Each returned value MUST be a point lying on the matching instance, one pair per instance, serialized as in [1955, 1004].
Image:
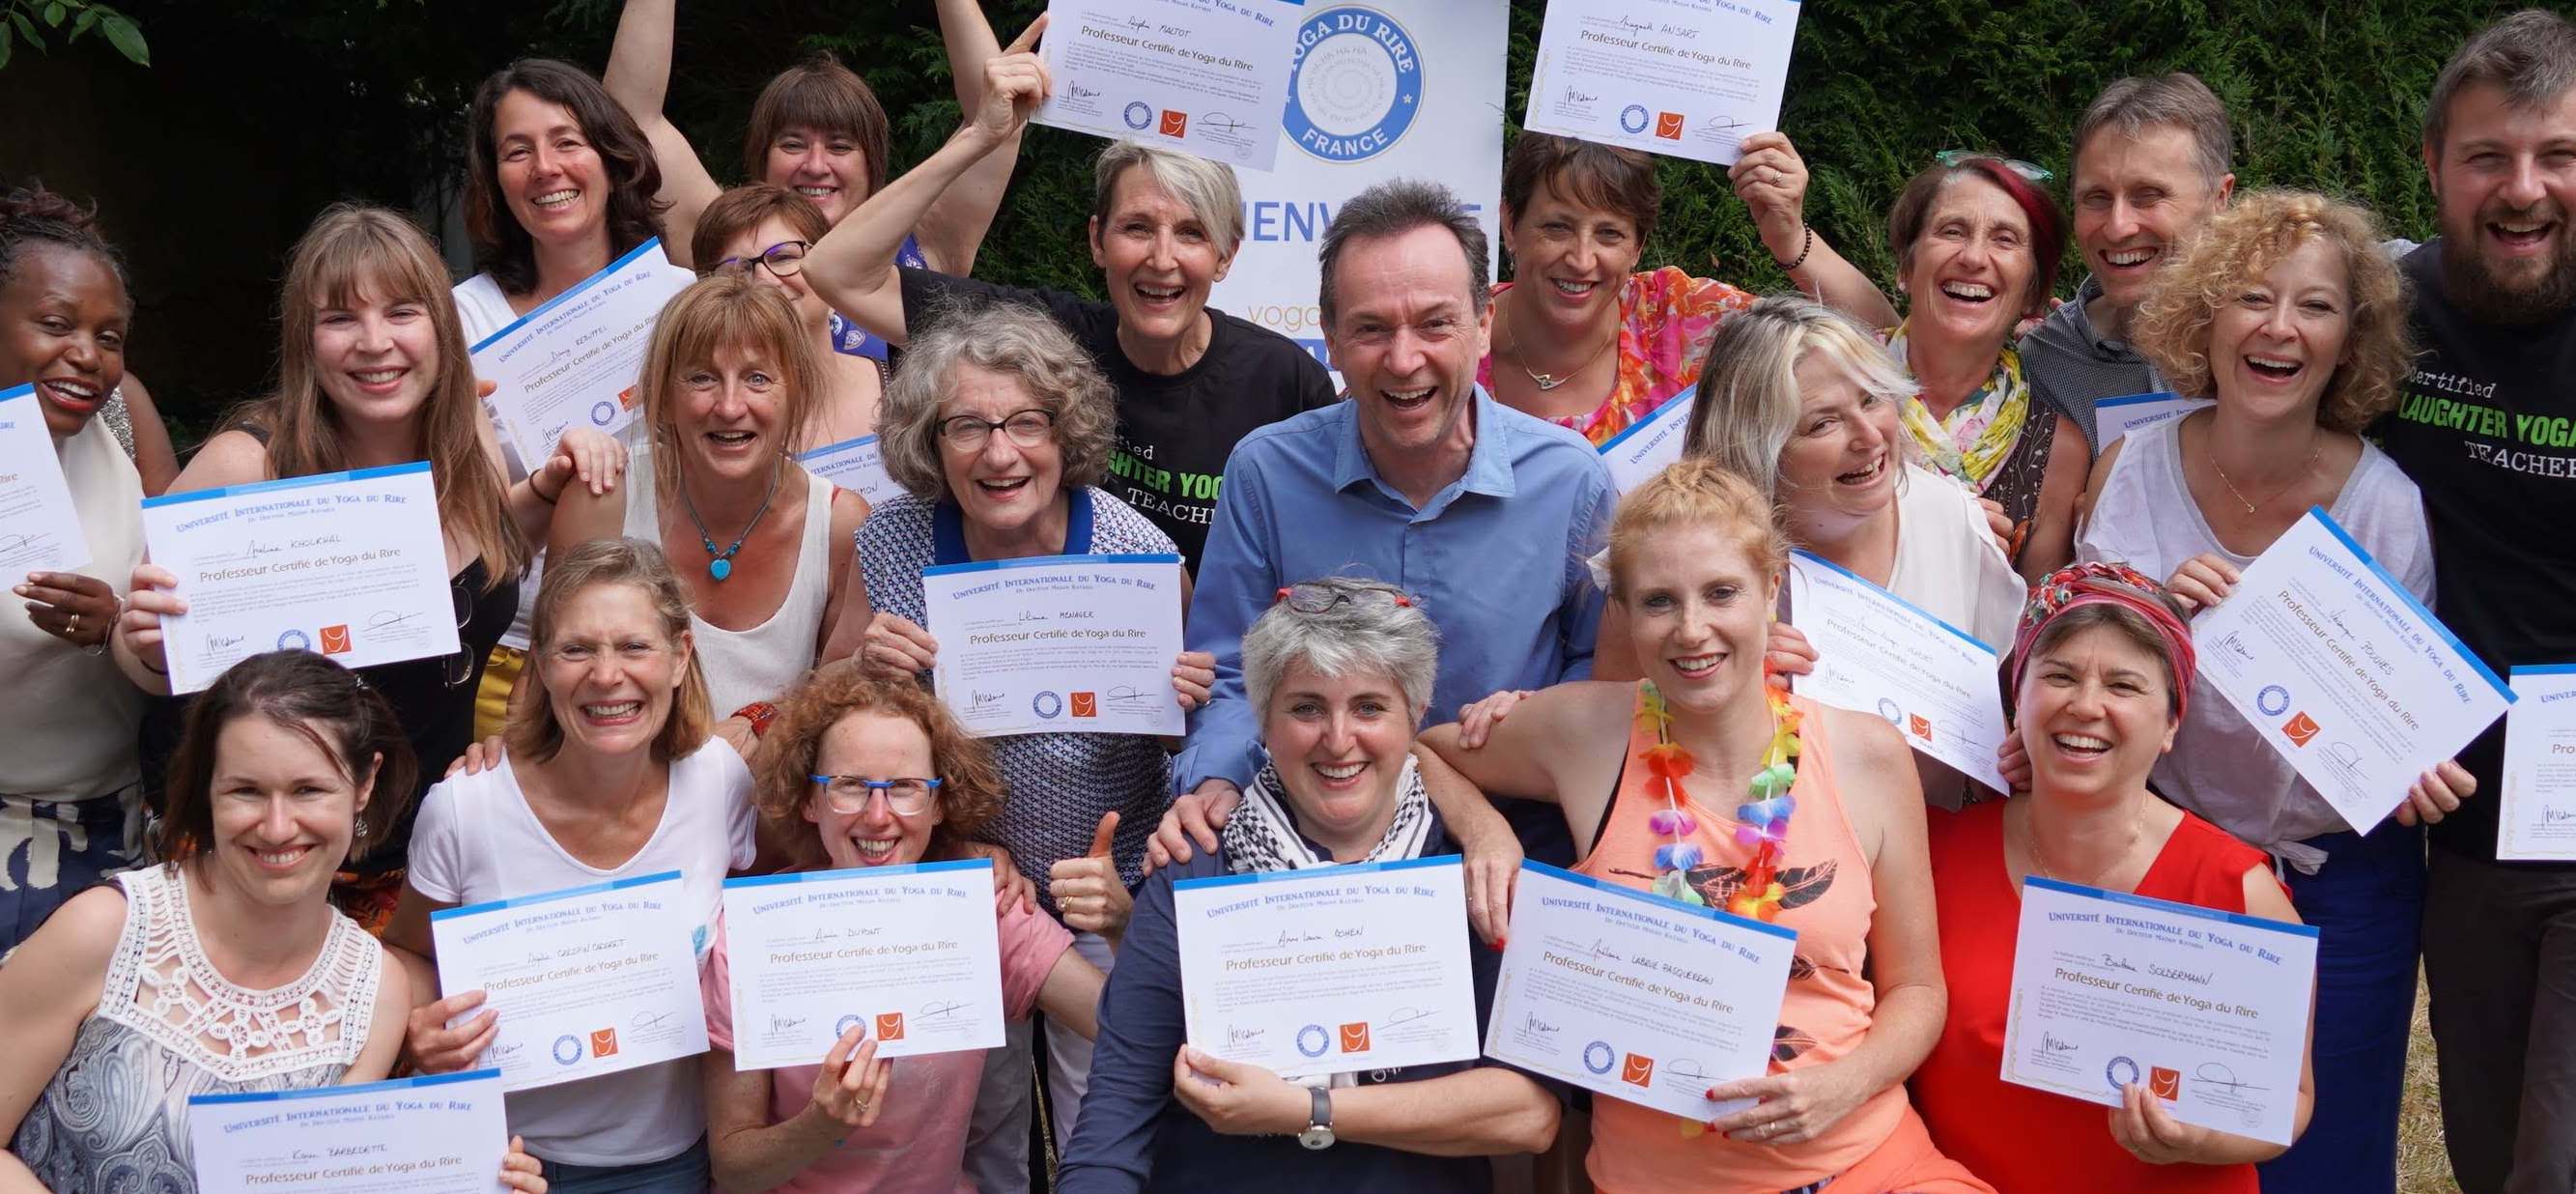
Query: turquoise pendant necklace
[720, 563]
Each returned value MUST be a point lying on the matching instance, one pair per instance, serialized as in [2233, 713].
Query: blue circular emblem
[1355, 86]
[1598, 1057]
[843, 1025]
[2274, 700]
[1046, 705]
[294, 640]
[1893, 712]
[1312, 1040]
[601, 412]
[1633, 118]
[567, 1050]
[1138, 115]
[2120, 1072]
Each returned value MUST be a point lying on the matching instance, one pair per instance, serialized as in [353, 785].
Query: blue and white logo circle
[567, 1050]
[2121, 1072]
[842, 1026]
[1047, 705]
[1312, 1040]
[294, 640]
[1139, 114]
[1355, 87]
[1633, 118]
[1598, 1057]
[2274, 700]
[1893, 712]
[601, 412]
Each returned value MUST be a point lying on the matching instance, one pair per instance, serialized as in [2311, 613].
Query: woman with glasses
[998, 428]
[861, 770]
[763, 232]
[609, 773]
[372, 371]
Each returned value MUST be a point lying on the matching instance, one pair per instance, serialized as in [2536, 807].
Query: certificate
[587, 981]
[1329, 970]
[1878, 653]
[1649, 444]
[437, 1134]
[907, 952]
[1058, 644]
[1689, 78]
[39, 529]
[2537, 810]
[2207, 1010]
[2114, 418]
[856, 465]
[352, 565]
[573, 361]
[1634, 996]
[2343, 671]
[1206, 76]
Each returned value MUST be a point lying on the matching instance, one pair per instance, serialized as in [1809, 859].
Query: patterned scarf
[2080, 585]
[1261, 836]
[1977, 436]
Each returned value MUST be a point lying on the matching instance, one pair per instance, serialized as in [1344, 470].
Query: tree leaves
[83, 17]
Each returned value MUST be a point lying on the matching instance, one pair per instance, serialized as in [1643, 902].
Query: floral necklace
[1761, 823]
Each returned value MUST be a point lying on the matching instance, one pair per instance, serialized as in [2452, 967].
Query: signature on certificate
[1297, 937]
[939, 1009]
[651, 1019]
[1405, 1015]
[2048, 1043]
[2217, 1074]
[1578, 96]
[979, 700]
[1236, 1034]
[1531, 1023]
[385, 617]
[2117, 963]
[784, 1023]
[1125, 696]
[1221, 122]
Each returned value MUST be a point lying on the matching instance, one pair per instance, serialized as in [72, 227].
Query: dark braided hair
[32, 215]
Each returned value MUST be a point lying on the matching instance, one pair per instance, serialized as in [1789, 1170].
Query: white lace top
[168, 1025]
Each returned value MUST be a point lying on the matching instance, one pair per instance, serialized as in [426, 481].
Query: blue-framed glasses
[908, 796]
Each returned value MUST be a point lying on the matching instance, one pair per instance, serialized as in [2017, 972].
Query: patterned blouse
[1666, 319]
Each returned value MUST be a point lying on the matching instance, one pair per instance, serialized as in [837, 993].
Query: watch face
[1316, 1137]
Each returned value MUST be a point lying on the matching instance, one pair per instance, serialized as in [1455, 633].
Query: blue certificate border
[2135, 399]
[859, 872]
[2543, 669]
[284, 483]
[654, 245]
[2133, 900]
[1657, 415]
[2422, 614]
[13, 394]
[1918, 611]
[544, 897]
[1701, 911]
[828, 449]
[1051, 562]
[326, 1092]
[1322, 873]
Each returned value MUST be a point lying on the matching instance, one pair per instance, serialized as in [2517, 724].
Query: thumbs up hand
[1087, 891]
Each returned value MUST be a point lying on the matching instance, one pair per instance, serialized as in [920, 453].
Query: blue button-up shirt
[1496, 560]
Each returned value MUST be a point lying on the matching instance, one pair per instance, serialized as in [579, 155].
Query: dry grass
[2421, 1166]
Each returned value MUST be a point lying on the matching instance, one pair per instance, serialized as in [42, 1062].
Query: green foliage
[71, 20]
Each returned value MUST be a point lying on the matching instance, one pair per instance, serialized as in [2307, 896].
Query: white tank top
[761, 663]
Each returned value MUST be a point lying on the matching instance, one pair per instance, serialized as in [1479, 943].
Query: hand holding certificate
[1208, 78]
[1058, 644]
[573, 361]
[907, 953]
[1689, 78]
[1877, 654]
[432, 1135]
[39, 530]
[2538, 804]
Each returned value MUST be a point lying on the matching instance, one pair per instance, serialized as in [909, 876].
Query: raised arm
[953, 229]
[639, 75]
[1772, 180]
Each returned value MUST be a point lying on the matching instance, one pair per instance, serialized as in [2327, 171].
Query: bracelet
[541, 494]
[147, 666]
[1808, 247]
[759, 714]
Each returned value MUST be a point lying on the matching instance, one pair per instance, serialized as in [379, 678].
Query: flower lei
[1761, 823]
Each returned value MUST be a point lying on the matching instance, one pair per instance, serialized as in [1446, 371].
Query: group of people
[1421, 620]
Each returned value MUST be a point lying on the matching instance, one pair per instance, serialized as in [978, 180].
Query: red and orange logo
[603, 1042]
[1668, 125]
[335, 640]
[1355, 1037]
[2164, 1083]
[890, 1026]
[1086, 704]
[1639, 1070]
[1175, 124]
[1919, 726]
[2299, 729]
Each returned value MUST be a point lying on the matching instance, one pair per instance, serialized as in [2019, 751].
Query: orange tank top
[1826, 897]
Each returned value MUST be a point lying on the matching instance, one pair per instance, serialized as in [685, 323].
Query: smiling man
[2480, 429]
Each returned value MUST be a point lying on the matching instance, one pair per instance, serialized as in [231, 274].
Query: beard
[2513, 294]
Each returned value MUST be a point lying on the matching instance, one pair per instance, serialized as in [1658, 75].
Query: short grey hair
[1398, 206]
[2178, 100]
[2530, 56]
[1349, 638]
[1207, 188]
[1008, 338]
[1746, 406]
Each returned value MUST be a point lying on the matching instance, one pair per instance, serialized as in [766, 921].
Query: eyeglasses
[907, 796]
[783, 260]
[2031, 170]
[458, 668]
[1310, 597]
[1027, 428]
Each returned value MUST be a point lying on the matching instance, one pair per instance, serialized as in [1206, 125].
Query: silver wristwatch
[1319, 1126]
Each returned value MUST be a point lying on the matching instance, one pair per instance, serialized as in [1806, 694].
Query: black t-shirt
[1174, 432]
[2487, 429]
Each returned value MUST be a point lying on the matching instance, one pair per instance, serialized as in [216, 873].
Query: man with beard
[2482, 428]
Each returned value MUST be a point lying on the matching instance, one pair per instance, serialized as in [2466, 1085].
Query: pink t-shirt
[918, 1145]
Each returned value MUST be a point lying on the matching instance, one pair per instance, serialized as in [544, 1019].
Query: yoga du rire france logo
[1356, 85]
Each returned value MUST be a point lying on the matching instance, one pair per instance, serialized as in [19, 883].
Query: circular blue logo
[2274, 700]
[294, 640]
[1139, 114]
[1598, 1057]
[2121, 1072]
[1355, 86]
[1046, 705]
[842, 1026]
[1312, 1040]
[567, 1050]
[1893, 712]
[601, 412]
[1633, 118]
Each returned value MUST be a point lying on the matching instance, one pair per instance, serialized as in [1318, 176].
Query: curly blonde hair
[2244, 242]
[970, 784]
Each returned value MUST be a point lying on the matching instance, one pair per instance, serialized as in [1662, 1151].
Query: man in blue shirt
[1420, 479]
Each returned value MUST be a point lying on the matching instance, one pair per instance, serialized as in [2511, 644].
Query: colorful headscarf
[2078, 585]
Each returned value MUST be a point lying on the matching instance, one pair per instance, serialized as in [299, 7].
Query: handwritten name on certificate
[39, 529]
[856, 465]
[907, 952]
[1206, 76]
[588, 981]
[1649, 445]
[2115, 418]
[1323, 971]
[1058, 644]
[1629, 995]
[2538, 805]
[2207, 1010]
[352, 565]
[2343, 671]
[573, 361]
[1878, 653]
[1688, 78]
[437, 1134]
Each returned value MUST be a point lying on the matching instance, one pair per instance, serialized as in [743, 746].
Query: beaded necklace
[1761, 823]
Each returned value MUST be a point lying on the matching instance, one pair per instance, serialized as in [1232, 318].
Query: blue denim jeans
[682, 1174]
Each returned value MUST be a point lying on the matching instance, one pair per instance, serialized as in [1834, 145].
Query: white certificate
[1878, 653]
[1648, 445]
[352, 565]
[908, 952]
[2343, 671]
[2537, 809]
[587, 981]
[39, 530]
[1058, 644]
[2114, 418]
[573, 362]
[1330, 970]
[1206, 76]
[436, 1134]
[2208, 1010]
[857, 465]
[1634, 996]
[1689, 78]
